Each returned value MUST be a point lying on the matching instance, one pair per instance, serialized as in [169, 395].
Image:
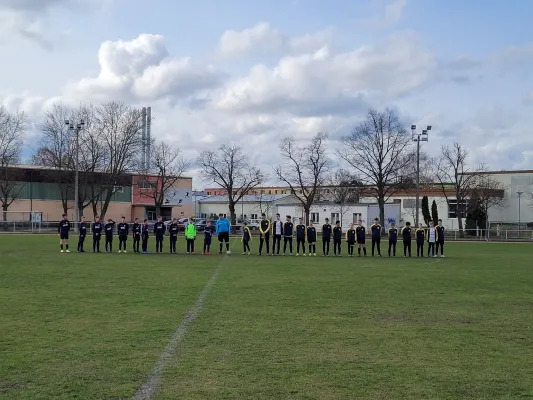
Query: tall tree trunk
[158, 208]
[95, 208]
[381, 204]
[233, 216]
[307, 210]
[4, 209]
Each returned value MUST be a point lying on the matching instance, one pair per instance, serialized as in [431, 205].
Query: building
[40, 197]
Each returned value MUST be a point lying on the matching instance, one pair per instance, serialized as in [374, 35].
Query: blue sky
[256, 71]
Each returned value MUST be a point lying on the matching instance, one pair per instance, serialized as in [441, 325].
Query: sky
[253, 72]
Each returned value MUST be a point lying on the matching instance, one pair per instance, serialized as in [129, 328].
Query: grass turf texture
[91, 326]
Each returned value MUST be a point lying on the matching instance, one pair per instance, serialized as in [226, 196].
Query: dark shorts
[63, 235]
[361, 240]
[207, 241]
[123, 238]
[223, 237]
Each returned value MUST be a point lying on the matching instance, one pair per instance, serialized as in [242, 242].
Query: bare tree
[229, 168]
[56, 150]
[380, 150]
[167, 167]
[120, 127]
[12, 128]
[304, 169]
[345, 190]
[490, 193]
[453, 171]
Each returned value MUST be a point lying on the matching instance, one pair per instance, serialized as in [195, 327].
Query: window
[356, 217]
[208, 193]
[283, 191]
[270, 192]
[409, 203]
[452, 208]
[253, 216]
[144, 184]
[334, 217]
[118, 189]
[151, 216]
[203, 216]
[315, 218]
[276, 192]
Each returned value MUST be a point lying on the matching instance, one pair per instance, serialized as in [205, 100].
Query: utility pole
[418, 137]
[519, 207]
[76, 128]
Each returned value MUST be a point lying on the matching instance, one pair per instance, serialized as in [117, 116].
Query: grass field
[86, 326]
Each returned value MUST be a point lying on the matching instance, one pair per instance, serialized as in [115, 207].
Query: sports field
[86, 326]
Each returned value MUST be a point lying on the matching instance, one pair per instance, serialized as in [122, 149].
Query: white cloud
[394, 11]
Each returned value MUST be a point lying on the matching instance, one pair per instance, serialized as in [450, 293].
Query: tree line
[378, 157]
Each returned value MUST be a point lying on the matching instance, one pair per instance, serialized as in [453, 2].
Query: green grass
[93, 326]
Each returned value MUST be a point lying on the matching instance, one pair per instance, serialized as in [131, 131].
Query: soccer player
[173, 235]
[375, 229]
[97, 234]
[406, 236]
[246, 238]
[108, 229]
[300, 238]
[145, 234]
[82, 229]
[326, 238]
[350, 239]
[360, 233]
[208, 234]
[159, 233]
[288, 229]
[393, 239]
[440, 239]
[278, 232]
[123, 230]
[337, 238]
[420, 238]
[222, 228]
[264, 230]
[432, 239]
[62, 231]
[311, 239]
[136, 232]
[190, 235]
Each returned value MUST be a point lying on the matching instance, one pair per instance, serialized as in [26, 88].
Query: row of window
[453, 206]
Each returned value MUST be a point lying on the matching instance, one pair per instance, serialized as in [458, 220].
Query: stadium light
[519, 206]
[418, 137]
[76, 128]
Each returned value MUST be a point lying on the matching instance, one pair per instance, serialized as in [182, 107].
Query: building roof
[502, 172]
[246, 199]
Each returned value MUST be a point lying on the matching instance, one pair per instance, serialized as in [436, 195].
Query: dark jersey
[97, 229]
[108, 228]
[440, 233]
[136, 230]
[246, 236]
[145, 231]
[287, 229]
[63, 227]
[406, 233]
[326, 231]
[420, 235]
[376, 231]
[360, 232]
[300, 231]
[173, 230]
[350, 235]
[159, 228]
[208, 234]
[337, 233]
[311, 234]
[83, 229]
[123, 229]
[264, 226]
[393, 234]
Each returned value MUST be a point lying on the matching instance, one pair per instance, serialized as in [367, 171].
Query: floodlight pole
[76, 128]
[418, 137]
[519, 206]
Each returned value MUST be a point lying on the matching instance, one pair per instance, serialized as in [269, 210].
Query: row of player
[355, 235]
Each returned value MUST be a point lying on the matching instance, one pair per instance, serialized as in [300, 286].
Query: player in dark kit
[440, 239]
[337, 238]
[108, 229]
[288, 229]
[173, 235]
[300, 238]
[97, 234]
[311, 239]
[375, 229]
[159, 233]
[123, 230]
[406, 236]
[360, 234]
[145, 234]
[246, 238]
[136, 231]
[82, 230]
[277, 229]
[393, 239]
[264, 230]
[62, 231]
[326, 238]
[350, 239]
[208, 236]
[420, 239]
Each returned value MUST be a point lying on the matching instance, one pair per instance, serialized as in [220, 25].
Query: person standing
[62, 231]
[82, 231]
[246, 238]
[123, 230]
[288, 228]
[420, 239]
[375, 230]
[337, 238]
[190, 235]
[311, 239]
[432, 239]
[278, 232]
[350, 239]
[222, 228]
[300, 238]
[173, 229]
[159, 233]
[136, 231]
[97, 234]
[145, 234]
[264, 230]
[108, 229]
[440, 239]
[360, 233]
[406, 237]
[208, 234]
[393, 239]
[326, 238]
